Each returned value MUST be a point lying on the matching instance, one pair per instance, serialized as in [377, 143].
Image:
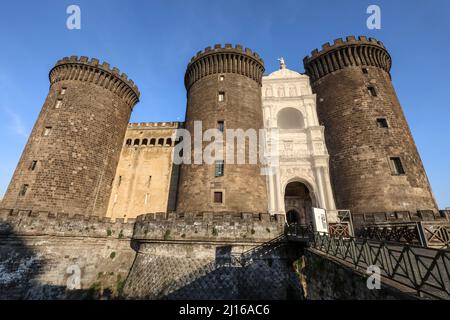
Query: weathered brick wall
[77, 160]
[359, 149]
[36, 251]
[212, 256]
[243, 186]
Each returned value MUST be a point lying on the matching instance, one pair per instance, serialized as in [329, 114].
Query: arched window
[281, 92]
[136, 142]
[168, 142]
[161, 142]
[129, 141]
[290, 118]
[152, 142]
[144, 142]
[269, 92]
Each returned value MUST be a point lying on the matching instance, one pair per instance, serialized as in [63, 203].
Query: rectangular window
[33, 165]
[47, 131]
[218, 197]
[219, 169]
[372, 91]
[382, 123]
[365, 71]
[220, 126]
[23, 190]
[63, 90]
[221, 77]
[58, 104]
[397, 166]
[221, 96]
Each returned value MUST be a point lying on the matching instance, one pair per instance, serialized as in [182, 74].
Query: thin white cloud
[16, 123]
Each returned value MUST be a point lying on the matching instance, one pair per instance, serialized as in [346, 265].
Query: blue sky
[152, 41]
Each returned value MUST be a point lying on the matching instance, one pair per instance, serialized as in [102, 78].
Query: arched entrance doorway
[298, 203]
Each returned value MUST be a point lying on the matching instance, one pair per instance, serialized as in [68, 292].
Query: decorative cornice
[83, 69]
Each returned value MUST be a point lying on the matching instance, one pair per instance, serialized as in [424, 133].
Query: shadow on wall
[22, 267]
[264, 273]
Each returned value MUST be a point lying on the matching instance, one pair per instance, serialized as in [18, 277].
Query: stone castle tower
[223, 91]
[375, 165]
[69, 162]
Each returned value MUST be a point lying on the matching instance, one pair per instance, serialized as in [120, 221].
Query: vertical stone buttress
[70, 159]
[236, 73]
[354, 92]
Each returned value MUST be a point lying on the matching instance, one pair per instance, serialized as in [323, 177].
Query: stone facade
[212, 256]
[223, 84]
[40, 253]
[365, 129]
[146, 178]
[69, 162]
[55, 229]
[290, 108]
[323, 278]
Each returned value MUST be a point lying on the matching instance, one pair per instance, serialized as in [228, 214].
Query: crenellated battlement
[209, 226]
[352, 51]
[32, 223]
[83, 69]
[227, 48]
[232, 226]
[224, 59]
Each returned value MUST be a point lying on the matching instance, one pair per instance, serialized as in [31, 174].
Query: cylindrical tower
[224, 92]
[70, 160]
[375, 165]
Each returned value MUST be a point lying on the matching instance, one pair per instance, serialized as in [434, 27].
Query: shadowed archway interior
[298, 203]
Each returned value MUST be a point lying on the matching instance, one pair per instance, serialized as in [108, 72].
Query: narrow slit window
[58, 103]
[372, 91]
[149, 181]
[218, 197]
[220, 126]
[119, 181]
[33, 165]
[221, 96]
[397, 166]
[219, 171]
[382, 123]
[23, 190]
[47, 131]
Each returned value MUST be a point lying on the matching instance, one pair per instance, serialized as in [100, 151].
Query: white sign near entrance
[320, 220]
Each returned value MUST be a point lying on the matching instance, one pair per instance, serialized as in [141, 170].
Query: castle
[343, 144]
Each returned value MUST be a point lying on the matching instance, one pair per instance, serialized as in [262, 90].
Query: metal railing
[425, 270]
[435, 234]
